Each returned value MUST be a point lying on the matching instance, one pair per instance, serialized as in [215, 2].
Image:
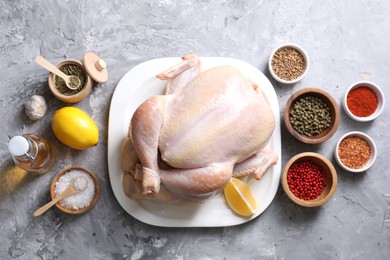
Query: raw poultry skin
[207, 127]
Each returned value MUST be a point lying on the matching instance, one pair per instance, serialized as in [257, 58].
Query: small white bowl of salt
[84, 181]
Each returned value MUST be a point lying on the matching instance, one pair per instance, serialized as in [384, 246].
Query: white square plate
[135, 87]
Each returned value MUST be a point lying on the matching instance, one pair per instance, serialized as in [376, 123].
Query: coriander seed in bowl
[288, 63]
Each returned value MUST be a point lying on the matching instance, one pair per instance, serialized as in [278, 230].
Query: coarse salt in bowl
[355, 153]
[362, 101]
[86, 182]
[288, 65]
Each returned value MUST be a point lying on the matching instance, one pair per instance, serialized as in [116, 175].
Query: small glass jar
[32, 153]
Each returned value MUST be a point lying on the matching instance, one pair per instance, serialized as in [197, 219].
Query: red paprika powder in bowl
[364, 101]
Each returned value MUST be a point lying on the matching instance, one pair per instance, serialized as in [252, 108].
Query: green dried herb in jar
[70, 69]
[310, 116]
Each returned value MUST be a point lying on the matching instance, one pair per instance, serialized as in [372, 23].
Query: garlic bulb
[35, 107]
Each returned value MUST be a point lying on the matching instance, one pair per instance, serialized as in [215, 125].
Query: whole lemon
[74, 128]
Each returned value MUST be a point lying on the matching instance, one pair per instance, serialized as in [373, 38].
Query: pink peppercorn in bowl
[309, 179]
[364, 101]
[355, 152]
[288, 63]
[81, 202]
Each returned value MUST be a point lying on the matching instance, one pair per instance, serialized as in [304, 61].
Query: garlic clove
[35, 107]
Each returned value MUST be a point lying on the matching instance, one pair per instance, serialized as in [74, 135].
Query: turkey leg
[145, 131]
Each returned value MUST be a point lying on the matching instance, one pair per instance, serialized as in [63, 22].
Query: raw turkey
[208, 127]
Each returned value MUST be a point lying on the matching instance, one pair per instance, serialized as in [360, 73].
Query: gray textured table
[347, 41]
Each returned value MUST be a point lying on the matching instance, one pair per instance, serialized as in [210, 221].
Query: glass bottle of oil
[32, 153]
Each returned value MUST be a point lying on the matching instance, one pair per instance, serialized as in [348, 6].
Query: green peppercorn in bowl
[355, 151]
[309, 179]
[288, 63]
[364, 101]
[311, 115]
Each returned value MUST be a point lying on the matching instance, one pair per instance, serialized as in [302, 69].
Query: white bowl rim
[378, 92]
[304, 54]
[371, 143]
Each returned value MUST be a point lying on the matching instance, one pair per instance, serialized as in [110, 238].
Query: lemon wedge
[239, 197]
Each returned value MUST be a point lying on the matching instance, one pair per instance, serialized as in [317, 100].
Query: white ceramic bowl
[370, 142]
[378, 92]
[298, 48]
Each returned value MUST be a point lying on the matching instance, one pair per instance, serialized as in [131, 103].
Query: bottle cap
[18, 146]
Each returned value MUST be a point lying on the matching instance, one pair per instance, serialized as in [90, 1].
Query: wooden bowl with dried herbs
[355, 152]
[311, 115]
[61, 91]
[288, 63]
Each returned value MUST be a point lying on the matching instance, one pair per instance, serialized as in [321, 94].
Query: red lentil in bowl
[355, 152]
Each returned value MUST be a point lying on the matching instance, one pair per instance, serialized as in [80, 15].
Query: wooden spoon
[72, 82]
[70, 190]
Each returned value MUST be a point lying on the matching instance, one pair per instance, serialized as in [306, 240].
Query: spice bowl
[309, 173]
[355, 151]
[288, 63]
[61, 92]
[311, 115]
[81, 202]
[364, 101]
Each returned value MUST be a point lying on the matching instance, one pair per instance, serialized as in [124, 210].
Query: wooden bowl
[327, 167]
[83, 210]
[334, 113]
[72, 98]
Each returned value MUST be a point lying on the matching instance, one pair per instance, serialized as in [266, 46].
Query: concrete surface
[347, 41]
